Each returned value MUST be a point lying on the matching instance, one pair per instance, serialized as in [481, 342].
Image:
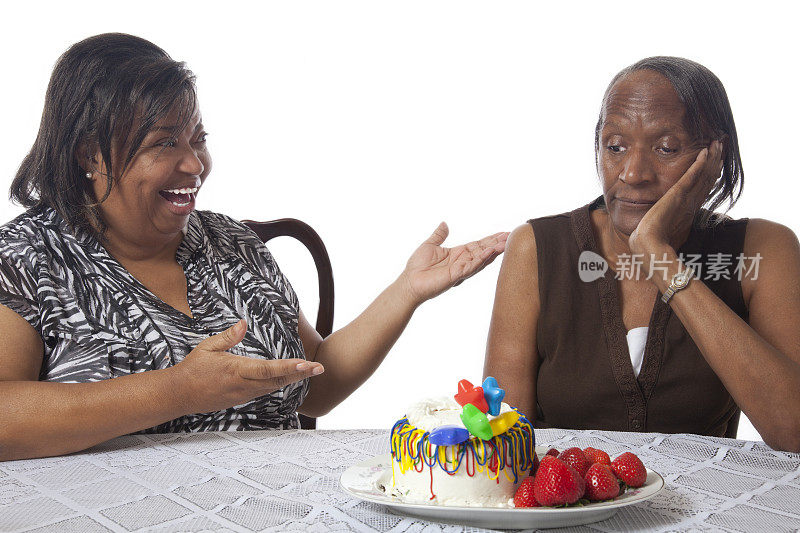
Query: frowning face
[151, 202]
[644, 146]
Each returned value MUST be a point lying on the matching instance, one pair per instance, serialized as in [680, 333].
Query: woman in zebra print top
[111, 273]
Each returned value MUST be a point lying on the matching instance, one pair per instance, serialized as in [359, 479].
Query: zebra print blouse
[98, 322]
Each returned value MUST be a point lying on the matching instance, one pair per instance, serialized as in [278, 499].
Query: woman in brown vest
[641, 311]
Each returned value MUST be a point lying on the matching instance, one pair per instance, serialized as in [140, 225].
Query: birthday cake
[468, 450]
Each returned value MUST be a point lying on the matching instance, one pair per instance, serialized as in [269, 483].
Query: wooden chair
[290, 227]
[733, 425]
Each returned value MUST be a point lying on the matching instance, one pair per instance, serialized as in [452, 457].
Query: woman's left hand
[666, 225]
[432, 269]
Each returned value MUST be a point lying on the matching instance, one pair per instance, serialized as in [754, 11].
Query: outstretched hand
[212, 379]
[668, 222]
[432, 268]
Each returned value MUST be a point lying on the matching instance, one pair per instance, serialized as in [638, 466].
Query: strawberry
[553, 452]
[601, 483]
[524, 496]
[597, 456]
[557, 483]
[574, 457]
[630, 469]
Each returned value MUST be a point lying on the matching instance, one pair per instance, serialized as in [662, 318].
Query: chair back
[733, 425]
[290, 227]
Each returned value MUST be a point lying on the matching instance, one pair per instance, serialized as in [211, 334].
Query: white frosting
[458, 489]
[431, 413]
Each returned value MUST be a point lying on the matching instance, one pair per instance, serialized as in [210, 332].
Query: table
[289, 481]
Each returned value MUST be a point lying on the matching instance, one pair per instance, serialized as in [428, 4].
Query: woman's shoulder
[225, 231]
[565, 222]
[226, 237]
[27, 224]
[562, 233]
[757, 225]
[558, 218]
[214, 220]
[717, 221]
[772, 254]
[751, 235]
[762, 234]
[25, 242]
[522, 241]
[25, 234]
[229, 237]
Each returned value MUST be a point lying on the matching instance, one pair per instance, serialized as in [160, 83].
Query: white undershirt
[637, 337]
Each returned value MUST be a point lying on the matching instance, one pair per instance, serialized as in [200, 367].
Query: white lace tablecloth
[289, 481]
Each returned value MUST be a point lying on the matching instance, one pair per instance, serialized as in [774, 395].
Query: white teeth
[176, 204]
[183, 191]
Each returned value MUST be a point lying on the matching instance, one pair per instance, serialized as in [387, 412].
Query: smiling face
[644, 146]
[151, 202]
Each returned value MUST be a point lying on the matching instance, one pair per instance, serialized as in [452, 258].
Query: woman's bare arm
[511, 354]
[759, 362]
[40, 419]
[353, 353]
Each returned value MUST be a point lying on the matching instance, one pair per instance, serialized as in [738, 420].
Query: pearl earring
[89, 175]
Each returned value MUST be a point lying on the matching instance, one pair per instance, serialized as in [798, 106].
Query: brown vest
[586, 379]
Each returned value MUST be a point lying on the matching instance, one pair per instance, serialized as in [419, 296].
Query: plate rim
[596, 506]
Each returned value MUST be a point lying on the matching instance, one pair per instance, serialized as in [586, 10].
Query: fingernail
[317, 370]
[303, 366]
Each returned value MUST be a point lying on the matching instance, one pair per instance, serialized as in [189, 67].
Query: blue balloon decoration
[448, 435]
[494, 395]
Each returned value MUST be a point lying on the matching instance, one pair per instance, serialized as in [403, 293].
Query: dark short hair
[708, 114]
[106, 91]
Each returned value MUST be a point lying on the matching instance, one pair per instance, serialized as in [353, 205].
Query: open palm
[432, 268]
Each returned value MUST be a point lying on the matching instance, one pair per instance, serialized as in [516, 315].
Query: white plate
[361, 481]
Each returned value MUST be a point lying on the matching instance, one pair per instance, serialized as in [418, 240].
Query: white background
[373, 121]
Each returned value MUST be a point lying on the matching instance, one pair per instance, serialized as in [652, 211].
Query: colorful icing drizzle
[412, 449]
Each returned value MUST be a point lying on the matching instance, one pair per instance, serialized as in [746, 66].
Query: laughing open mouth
[179, 197]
